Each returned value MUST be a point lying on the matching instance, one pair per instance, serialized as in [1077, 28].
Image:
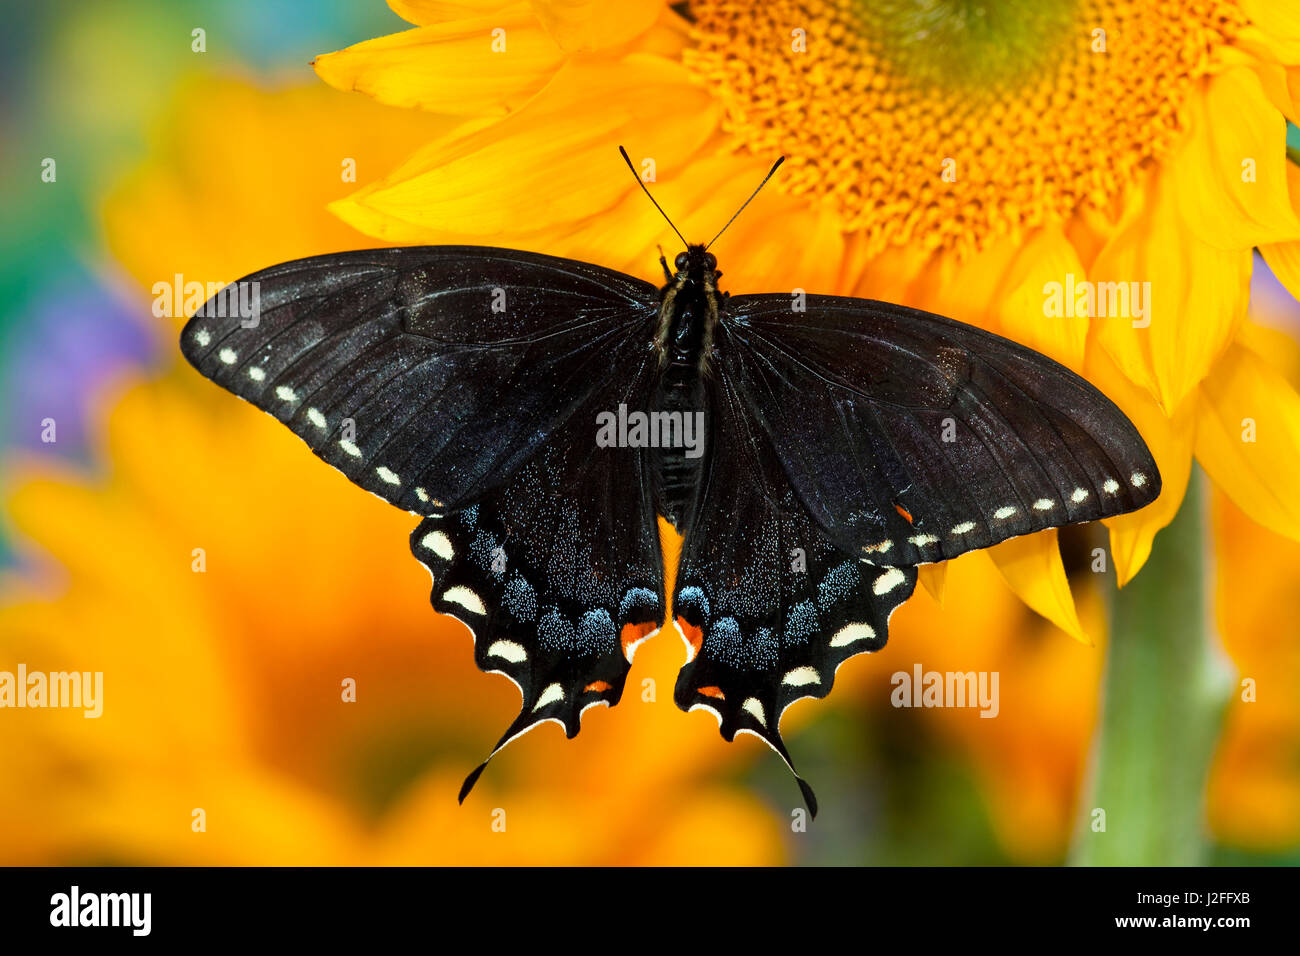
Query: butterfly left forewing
[427, 375]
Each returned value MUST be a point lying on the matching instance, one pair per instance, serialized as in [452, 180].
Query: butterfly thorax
[688, 312]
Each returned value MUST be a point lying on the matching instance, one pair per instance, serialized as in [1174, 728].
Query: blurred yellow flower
[227, 586]
[952, 164]
[1254, 793]
[1030, 760]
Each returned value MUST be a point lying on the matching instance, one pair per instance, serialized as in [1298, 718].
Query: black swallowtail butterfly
[537, 412]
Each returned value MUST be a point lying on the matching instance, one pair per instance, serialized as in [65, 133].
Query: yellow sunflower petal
[550, 163]
[700, 196]
[886, 276]
[1274, 25]
[1284, 257]
[424, 12]
[933, 577]
[459, 67]
[750, 260]
[1248, 438]
[596, 24]
[1032, 567]
[1170, 441]
[964, 288]
[1230, 177]
[1047, 257]
[1194, 295]
[1276, 347]
[1276, 80]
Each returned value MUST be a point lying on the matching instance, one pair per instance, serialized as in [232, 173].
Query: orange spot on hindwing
[634, 634]
[694, 637]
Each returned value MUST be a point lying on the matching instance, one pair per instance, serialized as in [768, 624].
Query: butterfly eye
[680, 261]
[709, 261]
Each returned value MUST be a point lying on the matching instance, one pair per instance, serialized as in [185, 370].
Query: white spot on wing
[923, 539]
[852, 633]
[964, 527]
[1138, 479]
[229, 356]
[202, 337]
[350, 448]
[754, 708]
[315, 417]
[552, 694]
[509, 651]
[891, 579]
[256, 374]
[439, 544]
[388, 475]
[1111, 486]
[1005, 512]
[802, 677]
[1080, 495]
[285, 393]
[1044, 504]
[465, 598]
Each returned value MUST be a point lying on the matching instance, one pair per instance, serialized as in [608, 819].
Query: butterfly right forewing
[912, 438]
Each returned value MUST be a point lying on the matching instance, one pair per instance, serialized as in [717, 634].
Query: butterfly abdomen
[688, 312]
[680, 402]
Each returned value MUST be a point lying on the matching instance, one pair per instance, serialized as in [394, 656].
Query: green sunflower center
[966, 42]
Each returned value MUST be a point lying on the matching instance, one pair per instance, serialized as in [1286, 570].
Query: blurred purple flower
[72, 339]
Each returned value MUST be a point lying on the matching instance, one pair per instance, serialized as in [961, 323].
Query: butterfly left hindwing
[558, 574]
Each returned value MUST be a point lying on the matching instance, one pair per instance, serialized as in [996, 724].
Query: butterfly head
[697, 266]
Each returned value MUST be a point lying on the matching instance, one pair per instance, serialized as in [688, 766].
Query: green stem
[1163, 697]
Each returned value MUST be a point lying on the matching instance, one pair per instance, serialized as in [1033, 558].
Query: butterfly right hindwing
[767, 605]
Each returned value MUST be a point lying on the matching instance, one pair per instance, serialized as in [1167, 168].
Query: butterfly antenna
[642, 184]
[749, 200]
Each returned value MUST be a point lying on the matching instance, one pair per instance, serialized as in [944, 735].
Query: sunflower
[168, 571]
[958, 157]
[953, 156]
